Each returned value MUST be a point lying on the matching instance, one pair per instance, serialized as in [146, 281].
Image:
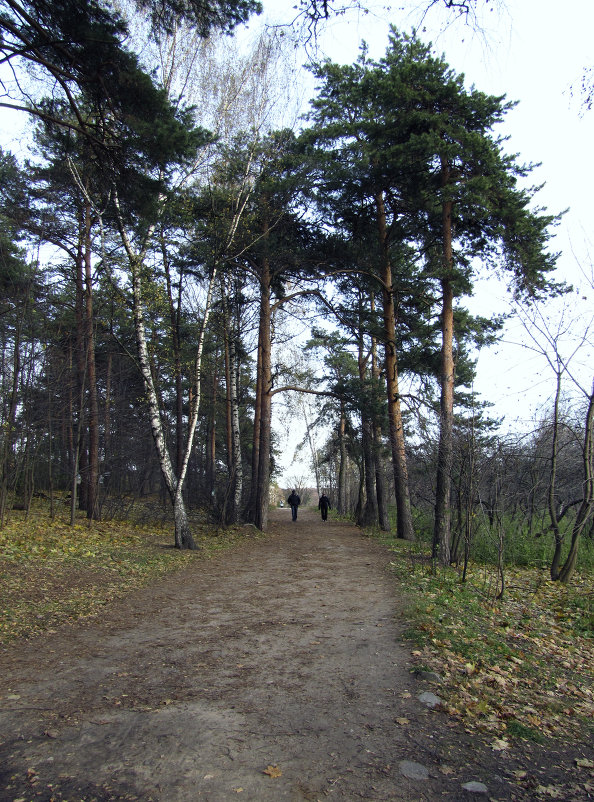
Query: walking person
[324, 506]
[294, 501]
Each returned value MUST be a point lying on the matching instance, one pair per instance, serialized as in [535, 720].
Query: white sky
[533, 51]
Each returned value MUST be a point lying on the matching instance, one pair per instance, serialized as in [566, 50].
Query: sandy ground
[270, 673]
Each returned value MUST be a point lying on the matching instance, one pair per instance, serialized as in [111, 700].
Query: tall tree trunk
[232, 375]
[93, 462]
[265, 348]
[342, 469]
[552, 491]
[251, 509]
[107, 420]
[227, 365]
[183, 536]
[173, 483]
[405, 529]
[81, 365]
[442, 525]
[585, 509]
[368, 514]
[211, 437]
[236, 430]
[175, 304]
[380, 479]
[9, 424]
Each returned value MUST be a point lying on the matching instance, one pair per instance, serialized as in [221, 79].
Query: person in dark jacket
[294, 501]
[324, 506]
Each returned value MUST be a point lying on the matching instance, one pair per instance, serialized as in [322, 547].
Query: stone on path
[475, 788]
[412, 770]
[429, 699]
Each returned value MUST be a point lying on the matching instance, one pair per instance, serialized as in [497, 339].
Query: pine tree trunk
[368, 515]
[92, 500]
[81, 364]
[405, 529]
[251, 510]
[380, 479]
[107, 414]
[265, 347]
[442, 525]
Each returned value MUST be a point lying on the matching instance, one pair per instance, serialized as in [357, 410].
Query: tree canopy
[179, 265]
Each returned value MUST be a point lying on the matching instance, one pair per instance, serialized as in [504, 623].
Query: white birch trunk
[183, 536]
[235, 429]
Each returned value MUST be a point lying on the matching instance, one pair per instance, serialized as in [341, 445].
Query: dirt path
[282, 654]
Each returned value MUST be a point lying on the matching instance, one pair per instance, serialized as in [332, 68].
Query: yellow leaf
[273, 771]
[402, 721]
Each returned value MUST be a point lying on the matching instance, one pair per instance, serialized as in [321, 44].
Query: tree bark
[380, 479]
[211, 437]
[368, 514]
[442, 524]
[265, 359]
[342, 469]
[251, 511]
[585, 509]
[405, 529]
[175, 320]
[552, 490]
[80, 457]
[92, 500]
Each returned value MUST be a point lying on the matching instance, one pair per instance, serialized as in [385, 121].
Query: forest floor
[272, 671]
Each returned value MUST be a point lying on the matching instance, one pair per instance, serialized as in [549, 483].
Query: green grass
[52, 573]
[520, 666]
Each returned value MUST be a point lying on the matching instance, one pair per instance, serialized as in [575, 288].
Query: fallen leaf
[551, 790]
[500, 744]
[273, 771]
[584, 763]
[403, 721]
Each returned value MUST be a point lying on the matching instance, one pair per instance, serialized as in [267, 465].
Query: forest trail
[272, 672]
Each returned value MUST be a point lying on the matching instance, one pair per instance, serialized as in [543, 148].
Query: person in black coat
[294, 501]
[324, 506]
